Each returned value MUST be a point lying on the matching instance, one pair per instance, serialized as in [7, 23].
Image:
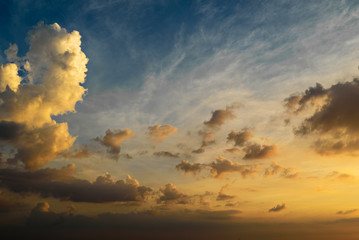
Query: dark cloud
[256, 151]
[62, 185]
[277, 208]
[232, 150]
[219, 117]
[199, 150]
[240, 138]
[34, 146]
[187, 167]
[218, 167]
[170, 193]
[166, 154]
[347, 211]
[223, 165]
[10, 203]
[222, 196]
[277, 169]
[113, 139]
[335, 121]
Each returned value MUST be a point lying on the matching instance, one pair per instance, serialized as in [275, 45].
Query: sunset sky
[179, 119]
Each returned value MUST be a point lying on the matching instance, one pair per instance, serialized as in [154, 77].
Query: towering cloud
[159, 133]
[113, 139]
[335, 121]
[55, 67]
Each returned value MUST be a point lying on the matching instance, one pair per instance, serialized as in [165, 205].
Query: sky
[179, 119]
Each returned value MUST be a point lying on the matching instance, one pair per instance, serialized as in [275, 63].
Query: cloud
[10, 203]
[79, 153]
[219, 117]
[222, 196]
[170, 193]
[166, 154]
[256, 151]
[55, 70]
[340, 176]
[240, 138]
[277, 169]
[159, 133]
[60, 183]
[187, 167]
[113, 139]
[335, 122]
[208, 138]
[277, 208]
[347, 211]
[232, 150]
[223, 165]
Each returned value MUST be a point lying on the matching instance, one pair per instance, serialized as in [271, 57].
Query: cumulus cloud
[222, 196]
[113, 139]
[159, 133]
[60, 183]
[170, 193]
[223, 165]
[347, 211]
[187, 167]
[166, 154]
[208, 138]
[257, 151]
[335, 122]
[277, 169]
[220, 116]
[56, 69]
[240, 138]
[277, 208]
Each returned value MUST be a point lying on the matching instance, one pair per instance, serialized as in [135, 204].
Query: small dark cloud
[113, 139]
[166, 154]
[223, 165]
[232, 150]
[187, 167]
[257, 151]
[199, 150]
[239, 138]
[222, 196]
[277, 208]
[219, 117]
[277, 169]
[170, 193]
[347, 211]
